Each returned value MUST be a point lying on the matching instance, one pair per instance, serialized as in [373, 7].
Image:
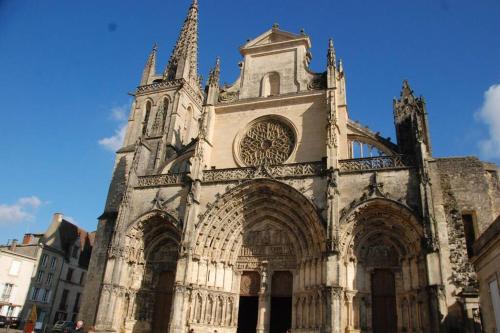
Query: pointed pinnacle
[213, 78]
[155, 47]
[406, 90]
[186, 48]
[331, 54]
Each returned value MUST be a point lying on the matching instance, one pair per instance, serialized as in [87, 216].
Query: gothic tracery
[267, 142]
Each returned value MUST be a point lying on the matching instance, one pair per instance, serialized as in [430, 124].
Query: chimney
[13, 245]
[57, 217]
[27, 239]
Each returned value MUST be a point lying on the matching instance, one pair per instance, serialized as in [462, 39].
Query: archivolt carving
[267, 142]
[219, 233]
[380, 221]
[145, 234]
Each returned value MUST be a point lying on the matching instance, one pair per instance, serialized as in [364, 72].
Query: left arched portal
[153, 247]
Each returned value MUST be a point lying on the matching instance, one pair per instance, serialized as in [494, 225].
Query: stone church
[261, 207]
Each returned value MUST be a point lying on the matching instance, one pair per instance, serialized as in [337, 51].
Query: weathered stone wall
[466, 185]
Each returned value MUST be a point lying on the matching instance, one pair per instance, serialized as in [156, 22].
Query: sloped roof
[275, 35]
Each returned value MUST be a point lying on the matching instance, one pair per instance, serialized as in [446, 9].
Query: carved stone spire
[406, 93]
[212, 88]
[331, 54]
[183, 62]
[213, 78]
[407, 103]
[410, 119]
[150, 67]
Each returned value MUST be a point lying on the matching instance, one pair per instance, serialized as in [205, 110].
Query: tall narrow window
[15, 266]
[7, 290]
[82, 278]
[69, 275]
[160, 118]
[470, 232]
[165, 111]
[495, 301]
[34, 293]
[64, 299]
[146, 118]
[74, 252]
[76, 307]
[270, 85]
[39, 276]
[43, 260]
[53, 263]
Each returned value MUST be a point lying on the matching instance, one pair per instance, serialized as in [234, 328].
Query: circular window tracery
[267, 142]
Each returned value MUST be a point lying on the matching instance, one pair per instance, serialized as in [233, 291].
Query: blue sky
[66, 68]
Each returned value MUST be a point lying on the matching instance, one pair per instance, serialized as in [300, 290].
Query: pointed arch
[147, 112]
[219, 234]
[381, 218]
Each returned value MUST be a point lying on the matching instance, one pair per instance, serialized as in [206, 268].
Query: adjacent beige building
[62, 255]
[16, 271]
[261, 206]
[487, 262]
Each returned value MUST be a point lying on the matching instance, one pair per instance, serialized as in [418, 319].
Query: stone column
[103, 309]
[435, 299]
[179, 309]
[263, 318]
[264, 313]
[349, 295]
[334, 309]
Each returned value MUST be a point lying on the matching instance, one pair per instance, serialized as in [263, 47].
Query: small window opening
[270, 85]
[470, 232]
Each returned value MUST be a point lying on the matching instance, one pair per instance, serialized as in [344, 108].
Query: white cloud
[113, 143]
[119, 115]
[23, 210]
[490, 115]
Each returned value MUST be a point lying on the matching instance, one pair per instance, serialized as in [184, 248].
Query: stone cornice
[163, 85]
[296, 170]
[260, 102]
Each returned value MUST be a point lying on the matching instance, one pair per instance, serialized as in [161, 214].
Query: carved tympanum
[267, 142]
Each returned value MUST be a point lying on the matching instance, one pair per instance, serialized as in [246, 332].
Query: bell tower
[167, 105]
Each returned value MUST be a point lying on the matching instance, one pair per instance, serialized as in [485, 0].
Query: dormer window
[74, 252]
[270, 85]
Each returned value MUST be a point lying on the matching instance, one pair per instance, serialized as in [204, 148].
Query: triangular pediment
[273, 35]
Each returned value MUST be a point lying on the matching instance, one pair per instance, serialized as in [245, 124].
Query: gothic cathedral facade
[261, 207]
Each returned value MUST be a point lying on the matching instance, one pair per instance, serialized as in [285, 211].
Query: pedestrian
[191, 330]
[79, 326]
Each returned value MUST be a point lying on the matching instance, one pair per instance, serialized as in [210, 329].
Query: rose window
[267, 142]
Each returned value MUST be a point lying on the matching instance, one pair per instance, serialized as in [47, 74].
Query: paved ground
[10, 330]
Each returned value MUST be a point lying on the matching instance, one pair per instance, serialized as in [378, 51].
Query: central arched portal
[271, 239]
